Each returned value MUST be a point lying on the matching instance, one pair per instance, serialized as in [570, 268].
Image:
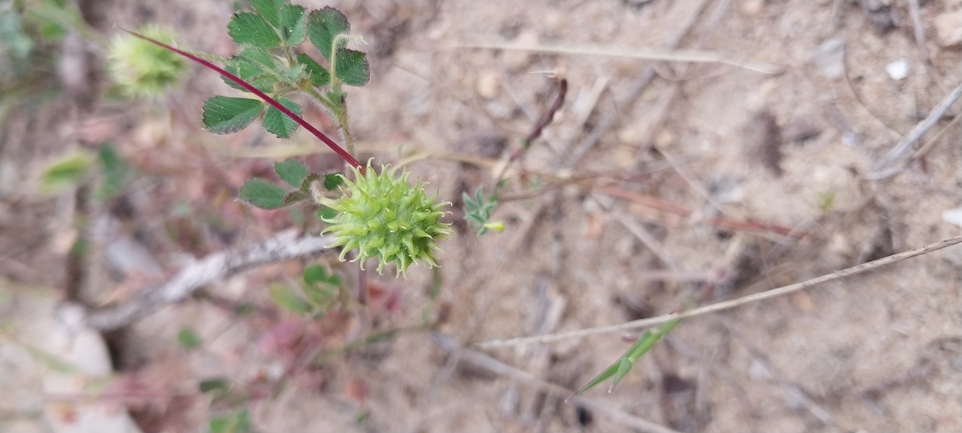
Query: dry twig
[727, 305]
[285, 246]
[892, 163]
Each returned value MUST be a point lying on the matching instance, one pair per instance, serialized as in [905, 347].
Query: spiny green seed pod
[140, 68]
[384, 217]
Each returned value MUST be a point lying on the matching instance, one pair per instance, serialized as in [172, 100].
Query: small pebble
[953, 216]
[898, 69]
[488, 84]
[752, 7]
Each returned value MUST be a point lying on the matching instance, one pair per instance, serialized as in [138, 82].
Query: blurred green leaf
[66, 171]
[116, 171]
[319, 296]
[223, 115]
[188, 339]
[352, 67]
[217, 385]
[53, 18]
[318, 274]
[286, 298]
[278, 123]
[319, 76]
[249, 28]
[263, 194]
[323, 26]
[239, 422]
[13, 39]
[320, 285]
[326, 214]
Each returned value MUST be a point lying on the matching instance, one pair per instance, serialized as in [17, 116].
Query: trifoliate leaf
[318, 274]
[249, 28]
[323, 26]
[293, 24]
[319, 76]
[352, 67]
[286, 298]
[257, 57]
[223, 115]
[291, 171]
[263, 194]
[250, 72]
[269, 10]
[278, 123]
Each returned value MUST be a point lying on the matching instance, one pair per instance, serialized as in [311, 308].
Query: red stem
[320, 135]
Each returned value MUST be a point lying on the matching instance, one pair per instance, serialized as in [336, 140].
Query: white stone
[953, 216]
[898, 69]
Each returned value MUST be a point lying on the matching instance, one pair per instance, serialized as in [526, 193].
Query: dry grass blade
[496, 366]
[891, 165]
[688, 56]
[727, 305]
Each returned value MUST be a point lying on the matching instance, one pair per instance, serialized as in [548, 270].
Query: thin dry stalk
[689, 56]
[892, 163]
[727, 305]
[215, 267]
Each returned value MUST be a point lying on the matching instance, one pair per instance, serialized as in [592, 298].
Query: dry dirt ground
[638, 192]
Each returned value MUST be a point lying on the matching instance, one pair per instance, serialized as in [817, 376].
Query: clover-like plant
[379, 213]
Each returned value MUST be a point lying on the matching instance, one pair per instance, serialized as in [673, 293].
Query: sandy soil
[784, 153]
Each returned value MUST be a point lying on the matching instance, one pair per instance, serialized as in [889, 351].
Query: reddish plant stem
[273, 102]
[548, 115]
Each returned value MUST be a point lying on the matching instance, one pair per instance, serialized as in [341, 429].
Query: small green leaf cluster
[263, 194]
[384, 217]
[268, 36]
[76, 167]
[316, 296]
[239, 422]
[478, 211]
[27, 31]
